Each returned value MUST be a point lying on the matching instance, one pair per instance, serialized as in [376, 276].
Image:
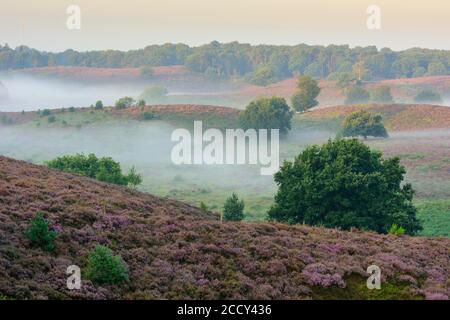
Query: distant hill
[174, 250]
[397, 117]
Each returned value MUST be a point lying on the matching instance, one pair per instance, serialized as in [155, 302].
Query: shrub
[148, 115]
[146, 72]
[203, 207]
[363, 123]
[267, 113]
[263, 76]
[45, 113]
[134, 179]
[305, 96]
[39, 233]
[103, 169]
[72, 109]
[124, 103]
[99, 105]
[141, 103]
[51, 119]
[105, 268]
[396, 230]
[356, 95]
[428, 96]
[233, 209]
[344, 184]
[381, 94]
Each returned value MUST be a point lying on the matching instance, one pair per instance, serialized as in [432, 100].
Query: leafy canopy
[363, 124]
[344, 184]
[381, 94]
[103, 169]
[355, 95]
[267, 113]
[305, 96]
[428, 96]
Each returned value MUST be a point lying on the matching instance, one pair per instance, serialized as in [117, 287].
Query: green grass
[356, 289]
[435, 217]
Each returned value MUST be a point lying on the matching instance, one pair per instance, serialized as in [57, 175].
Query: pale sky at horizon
[135, 24]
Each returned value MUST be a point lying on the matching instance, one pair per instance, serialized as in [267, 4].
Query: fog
[33, 93]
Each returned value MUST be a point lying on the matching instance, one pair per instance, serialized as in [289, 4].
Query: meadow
[146, 144]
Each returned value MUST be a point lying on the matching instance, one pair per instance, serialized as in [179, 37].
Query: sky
[133, 24]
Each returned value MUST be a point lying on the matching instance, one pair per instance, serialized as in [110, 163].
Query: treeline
[261, 64]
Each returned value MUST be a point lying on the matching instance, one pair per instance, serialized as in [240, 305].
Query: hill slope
[176, 251]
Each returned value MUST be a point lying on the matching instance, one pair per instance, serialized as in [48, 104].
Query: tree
[356, 95]
[382, 94]
[428, 96]
[263, 76]
[363, 124]
[134, 179]
[233, 209]
[344, 184]
[39, 233]
[105, 268]
[146, 72]
[99, 105]
[141, 103]
[305, 96]
[267, 113]
[124, 103]
[103, 169]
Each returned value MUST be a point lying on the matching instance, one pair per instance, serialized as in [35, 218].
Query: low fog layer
[30, 93]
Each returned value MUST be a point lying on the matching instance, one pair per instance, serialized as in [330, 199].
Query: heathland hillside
[173, 250]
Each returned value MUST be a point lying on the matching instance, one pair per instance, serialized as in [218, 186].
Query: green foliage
[71, 109]
[105, 268]
[51, 119]
[203, 207]
[363, 124]
[381, 94]
[124, 103]
[396, 230]
[344, 184]
[102, 169]
[428, 96]
[146, 72]
[267, 113]
[263, 76]
[141, 103]
[148, 115]
[39, 233]
[356, 95]
[134, 179]
[435, 218]
[305, 96]
[45, 113]
[155, 94]
[233, 209]
[99, 105]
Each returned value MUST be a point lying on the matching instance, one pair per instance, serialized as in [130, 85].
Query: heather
[173, 250]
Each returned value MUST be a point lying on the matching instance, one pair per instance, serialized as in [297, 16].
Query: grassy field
[146, 145]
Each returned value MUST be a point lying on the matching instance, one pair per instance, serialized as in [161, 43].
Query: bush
[45, 113]
[263, 76]
[233, 209]
[39, 233]
[396, 230]
[428, 96]
[344, 184]
[305, 96]
[51, 119]
[356, 95]
[103, 169]
[146, 72]
[72, 109]
[363, 124]
[105, 268]
[203, 207]
[124, 103]
[134, 179]
[99, 105]
[148, 115]
[382, 94]
[141, 103]
[267, 113]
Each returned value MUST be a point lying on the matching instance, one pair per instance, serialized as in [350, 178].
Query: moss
[356, 289]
